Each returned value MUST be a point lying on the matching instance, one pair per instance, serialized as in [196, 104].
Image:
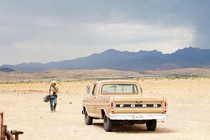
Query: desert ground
[24, 109]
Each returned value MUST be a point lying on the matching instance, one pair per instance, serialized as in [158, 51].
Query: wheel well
[103, 113]
[84, 110]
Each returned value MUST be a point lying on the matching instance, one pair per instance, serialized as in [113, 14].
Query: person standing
[53, 91]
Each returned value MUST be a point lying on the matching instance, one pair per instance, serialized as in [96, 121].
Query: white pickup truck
[121, 101]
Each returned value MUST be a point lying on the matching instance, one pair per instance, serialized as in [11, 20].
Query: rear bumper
[138, 116]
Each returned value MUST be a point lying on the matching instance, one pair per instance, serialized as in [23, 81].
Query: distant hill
[69, 75]
[6, 69]
[126, 61]
[66, 75]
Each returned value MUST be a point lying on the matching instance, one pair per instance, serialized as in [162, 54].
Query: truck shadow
[137, 128]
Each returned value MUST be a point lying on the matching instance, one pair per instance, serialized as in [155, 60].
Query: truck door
[93, 107]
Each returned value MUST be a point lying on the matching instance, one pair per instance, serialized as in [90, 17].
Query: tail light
[165, 106]
[165, 103]
[112, 105]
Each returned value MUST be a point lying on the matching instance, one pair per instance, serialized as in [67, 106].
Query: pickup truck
[122, 102]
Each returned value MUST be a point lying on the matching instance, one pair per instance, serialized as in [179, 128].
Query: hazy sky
[54, 30]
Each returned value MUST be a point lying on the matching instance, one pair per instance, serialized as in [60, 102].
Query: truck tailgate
[139, 104]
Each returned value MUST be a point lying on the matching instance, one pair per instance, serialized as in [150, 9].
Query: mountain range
[126, 61]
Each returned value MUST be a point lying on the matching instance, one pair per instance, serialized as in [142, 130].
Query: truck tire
[151, 125]
[108, 124]
[88, 119]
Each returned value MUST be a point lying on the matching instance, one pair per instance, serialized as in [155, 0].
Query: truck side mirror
[88, 89]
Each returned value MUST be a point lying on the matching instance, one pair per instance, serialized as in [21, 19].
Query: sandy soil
[188, 110]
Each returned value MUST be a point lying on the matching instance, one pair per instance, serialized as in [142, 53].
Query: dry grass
[187, 72]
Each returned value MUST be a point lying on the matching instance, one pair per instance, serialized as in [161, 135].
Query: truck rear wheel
[151, 125]
[88, 119]
[108, 124]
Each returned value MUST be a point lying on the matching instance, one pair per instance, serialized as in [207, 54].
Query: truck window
[119, 88]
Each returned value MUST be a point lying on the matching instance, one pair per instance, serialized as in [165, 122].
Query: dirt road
[188, 110]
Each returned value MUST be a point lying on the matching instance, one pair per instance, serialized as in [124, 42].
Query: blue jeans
[53, 102]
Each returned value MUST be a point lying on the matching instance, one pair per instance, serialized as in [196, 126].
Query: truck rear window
[119, 88]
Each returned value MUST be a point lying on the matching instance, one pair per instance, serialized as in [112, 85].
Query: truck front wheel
[88, 119]
[151, 125]
[108, 124]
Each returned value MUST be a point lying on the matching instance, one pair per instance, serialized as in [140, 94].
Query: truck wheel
[88, 119]
[108, 124]
[151, 125]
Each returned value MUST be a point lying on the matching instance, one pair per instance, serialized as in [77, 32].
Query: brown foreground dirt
[188, 110]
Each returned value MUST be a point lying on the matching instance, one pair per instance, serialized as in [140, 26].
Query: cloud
[139, 36]
[54, 30]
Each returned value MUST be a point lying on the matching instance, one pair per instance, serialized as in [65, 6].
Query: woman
[53, 95]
